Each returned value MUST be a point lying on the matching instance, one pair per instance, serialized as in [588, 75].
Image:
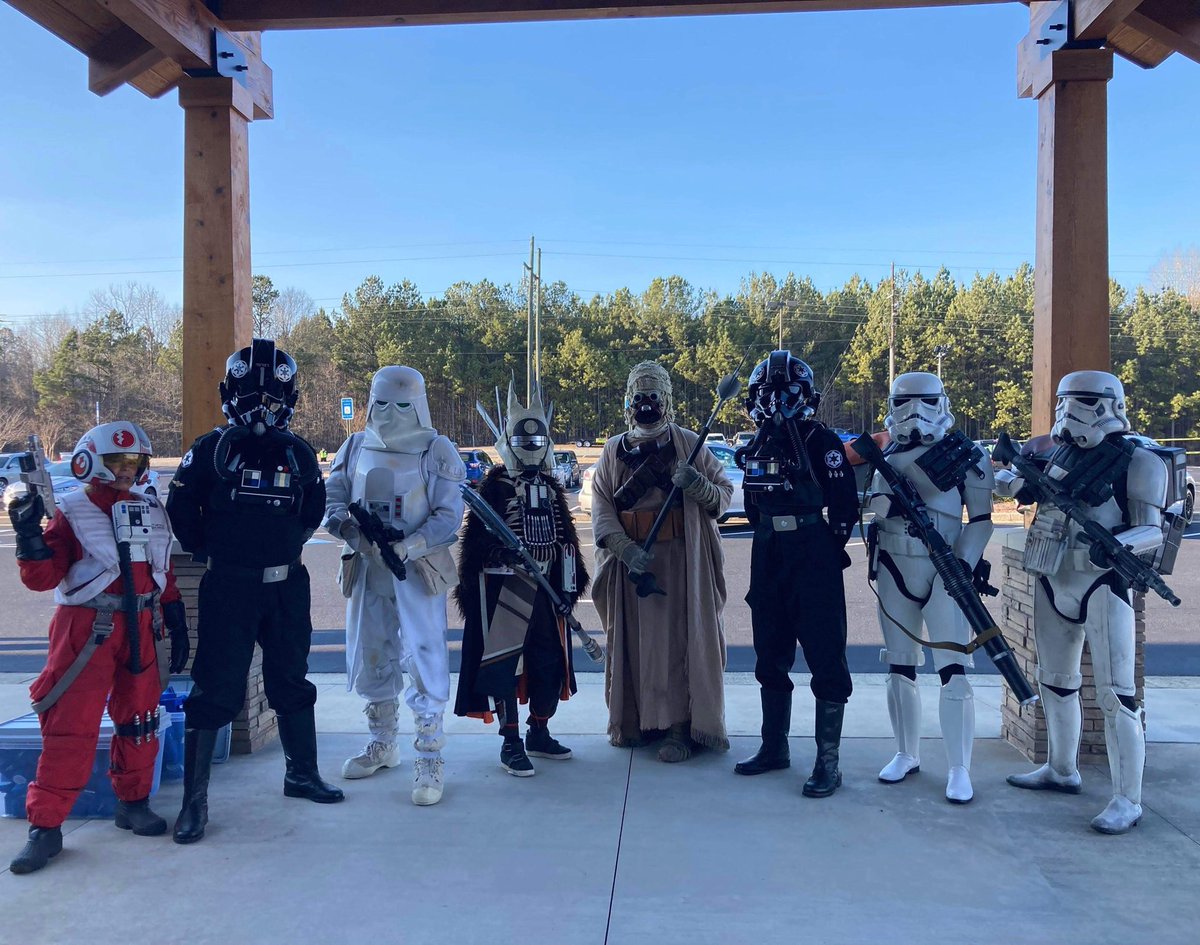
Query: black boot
[298, 734]
[541, 744]
[514, 760]
[773, 754]
[44, 843]
[198, 744]
[826, 778]
[138, 817]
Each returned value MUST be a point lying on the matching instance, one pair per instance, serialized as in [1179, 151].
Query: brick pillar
[255, 726]
[1024, 727]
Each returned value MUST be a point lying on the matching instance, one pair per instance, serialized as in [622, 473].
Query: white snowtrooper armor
[1076, 599]
[910, 590]
[403, 471]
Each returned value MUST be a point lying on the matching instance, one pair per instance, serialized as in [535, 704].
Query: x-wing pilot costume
[515, 644]
[401, 469]
[949, 473]
[1078, 596]
[795, 467]
[103, 542]
[247, 496]
[666, 654]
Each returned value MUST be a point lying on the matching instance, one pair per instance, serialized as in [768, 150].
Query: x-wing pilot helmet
[108, 445]
[918, 409]
[1091, 405]
[781, 388]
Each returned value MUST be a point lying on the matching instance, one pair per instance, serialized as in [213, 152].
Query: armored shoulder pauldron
[1091, 474]
[651, 468]
[948, 461]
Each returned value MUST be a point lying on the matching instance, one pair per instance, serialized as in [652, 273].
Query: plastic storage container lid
[24, 733]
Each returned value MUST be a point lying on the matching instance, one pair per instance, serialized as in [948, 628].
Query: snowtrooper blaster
[499, 530]
[956, 579]
[1133, 570]
[381, 536]
[33, 472]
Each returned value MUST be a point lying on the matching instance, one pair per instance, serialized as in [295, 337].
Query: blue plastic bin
[172, 730]
[20, 748]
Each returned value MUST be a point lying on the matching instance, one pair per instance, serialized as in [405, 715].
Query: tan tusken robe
[666, 655]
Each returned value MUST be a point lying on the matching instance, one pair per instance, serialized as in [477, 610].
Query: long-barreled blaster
[956, 579]
[32, 464]
[499, 530]
[381, 536]
[1140, 575]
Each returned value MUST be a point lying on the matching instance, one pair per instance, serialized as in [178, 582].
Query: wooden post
[1071, 315]
[216, 242]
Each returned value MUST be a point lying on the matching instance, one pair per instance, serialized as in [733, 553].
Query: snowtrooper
[949, 472]
[1077, 595]
[402, 470]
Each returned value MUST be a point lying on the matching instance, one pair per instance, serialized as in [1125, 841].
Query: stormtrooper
[949, 473]
[1078, 595]
[407, 474]
[796, 467]
[515, 643]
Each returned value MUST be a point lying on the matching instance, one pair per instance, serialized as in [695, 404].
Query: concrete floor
[614, 847]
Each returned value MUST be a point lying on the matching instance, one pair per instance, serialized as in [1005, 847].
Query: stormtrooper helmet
[398, 416]
[649, 405]
[918, 409]
[525, 444]
[1091, 405]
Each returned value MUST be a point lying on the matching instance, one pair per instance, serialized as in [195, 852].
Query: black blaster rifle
[1132, 569]
[381, 536]
[956, 579]
[507, 537]
[32, 464]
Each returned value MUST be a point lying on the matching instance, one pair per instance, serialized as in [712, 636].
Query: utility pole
[529, 331]
[537, 325]
[892, 334]
[781, 308]
[941, 351]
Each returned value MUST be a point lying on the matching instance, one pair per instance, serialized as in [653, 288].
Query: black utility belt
[271, 575]
[788, 523]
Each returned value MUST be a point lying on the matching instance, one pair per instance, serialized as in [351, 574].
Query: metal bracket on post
[228, 58]
[1056, 30]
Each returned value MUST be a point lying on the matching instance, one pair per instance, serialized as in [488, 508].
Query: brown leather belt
[638, 522]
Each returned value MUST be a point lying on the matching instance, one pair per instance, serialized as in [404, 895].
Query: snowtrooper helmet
[1091, 405]
[918, 409]
[103, 444]
[782, 386]
[259, 386]
[525, 444]
[649, 404]
[398, 415]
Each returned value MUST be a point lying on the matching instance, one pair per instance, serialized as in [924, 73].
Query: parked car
[1187, 504]
[723, 452]
[844, 435]
[478, 463]
[9, 468]
[715, 438]
[566, 468]
[743, 438]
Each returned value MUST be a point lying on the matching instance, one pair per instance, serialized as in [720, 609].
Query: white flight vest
[100, 566]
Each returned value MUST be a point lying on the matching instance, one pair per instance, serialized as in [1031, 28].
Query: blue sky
[824, 143]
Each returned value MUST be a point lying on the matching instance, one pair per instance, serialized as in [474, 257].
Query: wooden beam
[124, 55]
[1174, 23]
[1071, 316]
[321, 14]
[216, 242]
[183, 29]
[1095, 19]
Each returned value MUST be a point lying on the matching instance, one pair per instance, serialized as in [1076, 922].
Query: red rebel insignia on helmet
[123, 439]
[79, 464]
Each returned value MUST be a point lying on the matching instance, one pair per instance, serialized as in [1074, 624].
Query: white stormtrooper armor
[1076, 600]
[910, 590]
[403, 471]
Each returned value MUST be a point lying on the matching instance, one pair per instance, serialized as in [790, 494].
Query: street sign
[347, 408]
